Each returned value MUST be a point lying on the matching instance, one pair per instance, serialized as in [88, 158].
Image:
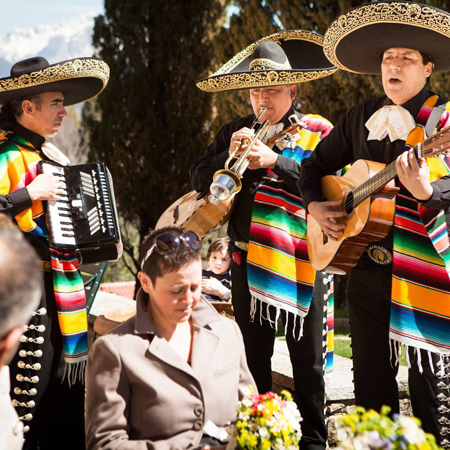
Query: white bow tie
[55, 154]
[393, 121]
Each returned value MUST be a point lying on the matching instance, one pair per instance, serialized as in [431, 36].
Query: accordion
[84, 219]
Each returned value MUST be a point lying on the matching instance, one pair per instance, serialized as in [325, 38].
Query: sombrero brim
[356, 40]
[78, 79]
[303, 50]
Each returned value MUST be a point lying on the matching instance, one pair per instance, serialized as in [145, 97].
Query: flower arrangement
[370, 430]
[265, 421]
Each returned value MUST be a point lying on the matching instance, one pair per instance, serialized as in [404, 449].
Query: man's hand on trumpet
[260, 156]
[240, 139]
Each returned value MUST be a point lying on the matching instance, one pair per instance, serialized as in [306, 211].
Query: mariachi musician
[270, 273]
[399, 290]
[34, 97]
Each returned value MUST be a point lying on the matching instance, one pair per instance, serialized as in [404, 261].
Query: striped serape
[420, 307]
[279, 272]
[18, 168]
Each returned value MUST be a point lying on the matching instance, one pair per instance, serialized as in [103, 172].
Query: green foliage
[151, 122]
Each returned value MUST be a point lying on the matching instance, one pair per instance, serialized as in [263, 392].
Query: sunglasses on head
[168, 243]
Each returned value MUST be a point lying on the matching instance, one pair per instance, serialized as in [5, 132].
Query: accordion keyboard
[85, 215]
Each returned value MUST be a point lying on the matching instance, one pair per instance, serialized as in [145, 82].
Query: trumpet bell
[224, 186]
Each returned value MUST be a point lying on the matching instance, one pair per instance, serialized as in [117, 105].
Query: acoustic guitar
[367, 193]
[196, 213]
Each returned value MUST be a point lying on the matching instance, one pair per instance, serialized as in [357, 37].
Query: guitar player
[269, 190]
[398, 291]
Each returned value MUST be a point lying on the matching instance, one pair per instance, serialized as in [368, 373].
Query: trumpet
[227, 182]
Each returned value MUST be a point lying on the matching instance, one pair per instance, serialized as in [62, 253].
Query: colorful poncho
[279, 272]
[420, 307]
[18, 168]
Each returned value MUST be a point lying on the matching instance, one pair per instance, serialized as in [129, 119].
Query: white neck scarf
[55, 154]
[393, 121]
[274, 129]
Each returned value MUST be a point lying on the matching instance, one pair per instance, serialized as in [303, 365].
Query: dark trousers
[369, 294]
[58, 417]
[306, 354]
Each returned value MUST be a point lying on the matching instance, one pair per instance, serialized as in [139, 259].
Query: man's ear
[145, 280]
[28, 107]
[9, 345]
[293, 91]
[429, 69]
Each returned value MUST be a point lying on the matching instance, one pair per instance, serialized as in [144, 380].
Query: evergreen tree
[151, 121]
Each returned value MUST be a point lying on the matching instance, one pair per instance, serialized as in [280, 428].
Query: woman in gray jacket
[170, 377]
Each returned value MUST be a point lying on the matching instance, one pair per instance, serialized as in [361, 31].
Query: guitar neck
[374, 184]
[434, 145]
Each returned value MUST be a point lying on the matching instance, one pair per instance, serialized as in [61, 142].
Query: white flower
[412, 433]
[246, 391]
[263, 432]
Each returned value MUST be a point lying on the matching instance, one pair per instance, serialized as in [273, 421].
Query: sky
[19, 14]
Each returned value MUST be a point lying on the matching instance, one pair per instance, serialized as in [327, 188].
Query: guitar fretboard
[432, 146]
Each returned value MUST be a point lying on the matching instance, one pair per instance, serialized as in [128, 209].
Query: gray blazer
[140, 394]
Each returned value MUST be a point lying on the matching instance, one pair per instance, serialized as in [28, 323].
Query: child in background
[216, 280]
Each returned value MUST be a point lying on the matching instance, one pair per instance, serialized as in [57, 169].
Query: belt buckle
[242, 245]
[379, 254]
[46, 266]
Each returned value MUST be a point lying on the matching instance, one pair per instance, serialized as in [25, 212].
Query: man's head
[404, 73]
[42, 113]
[20, 287]
[277, 100]
[35, 85]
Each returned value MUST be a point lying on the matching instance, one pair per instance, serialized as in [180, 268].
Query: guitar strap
[434, 119]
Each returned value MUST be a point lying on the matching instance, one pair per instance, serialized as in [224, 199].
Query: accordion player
[84, 219]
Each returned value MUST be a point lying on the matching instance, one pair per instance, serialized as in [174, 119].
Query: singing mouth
[394, 81]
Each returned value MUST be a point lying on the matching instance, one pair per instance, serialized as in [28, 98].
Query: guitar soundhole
[348, 202]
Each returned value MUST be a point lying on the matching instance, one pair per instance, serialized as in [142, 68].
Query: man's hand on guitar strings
[326, 217]
[414, 175]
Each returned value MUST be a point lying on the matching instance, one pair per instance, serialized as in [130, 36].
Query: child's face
[219, 262]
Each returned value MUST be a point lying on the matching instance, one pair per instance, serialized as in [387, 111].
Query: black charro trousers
[306, 354]
[374, 365]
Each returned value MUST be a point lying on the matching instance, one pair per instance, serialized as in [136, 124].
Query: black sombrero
[78, 79]
[287, 57]
[356, 40]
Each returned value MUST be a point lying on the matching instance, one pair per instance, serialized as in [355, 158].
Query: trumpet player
[270, 273]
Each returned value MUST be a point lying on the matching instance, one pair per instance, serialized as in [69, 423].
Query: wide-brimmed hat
[356, 40]
[287, 57]
[78, 79]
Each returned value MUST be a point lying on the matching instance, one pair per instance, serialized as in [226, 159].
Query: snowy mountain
[56, 42]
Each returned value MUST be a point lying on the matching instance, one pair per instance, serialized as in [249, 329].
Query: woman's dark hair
[220, 244]
[157, 265]
[12, 110]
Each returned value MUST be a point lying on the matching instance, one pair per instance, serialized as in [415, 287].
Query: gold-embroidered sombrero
[78, 79]
[356, 40]
[287, 57]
